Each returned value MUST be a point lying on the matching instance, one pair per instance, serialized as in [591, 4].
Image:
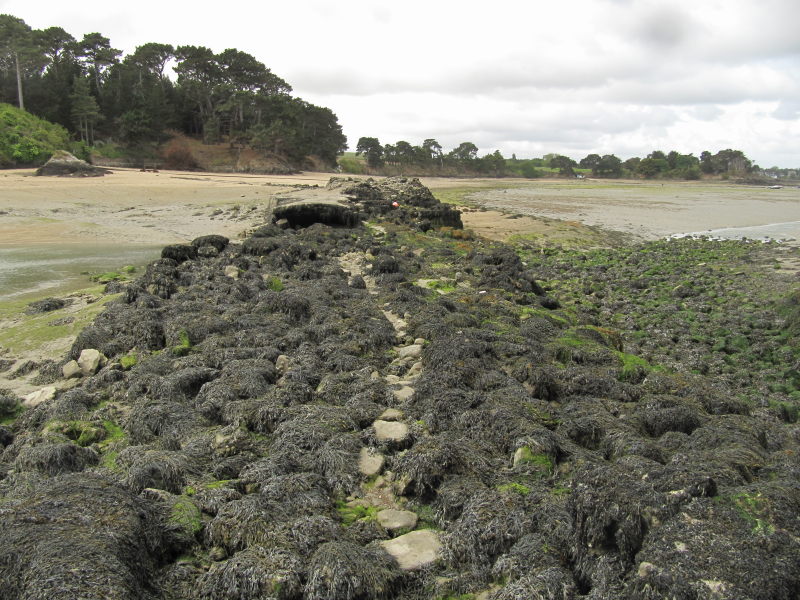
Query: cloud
[787, 110]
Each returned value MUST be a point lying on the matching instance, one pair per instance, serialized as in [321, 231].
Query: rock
[415, 369]
[282, 363]
[36, 398]
[391, 414]
[403, 394]
[45, 305]
[393, 520]
[64, 164]
[216, 241]
[232, 272]
[412, 351]
[357, 282]
[390, 431]
[370, 463]
[419, 341]
[90, 361]
[71, 369]
[414, 550]
[179, 252]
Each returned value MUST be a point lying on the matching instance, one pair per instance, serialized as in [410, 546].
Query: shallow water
[789, 231]
[55, 268]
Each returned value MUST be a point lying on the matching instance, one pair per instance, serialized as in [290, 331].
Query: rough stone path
[413, 549]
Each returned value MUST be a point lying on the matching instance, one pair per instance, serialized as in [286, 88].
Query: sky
[525, 77]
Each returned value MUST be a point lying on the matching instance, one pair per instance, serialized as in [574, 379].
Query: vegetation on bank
[90, 89]
[429, 158]
[26, 139]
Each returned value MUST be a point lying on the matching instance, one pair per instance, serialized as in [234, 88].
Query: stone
[232, 272]
[393, 520]
[407, 352]
[391, 414]
[403, 394]
[91, 360]
[370, 463]
[34, 399]
[415, 369]
[282, 363]
[64, 164]
[419, 341]
[391, 431]
[71, 369]
[414, 550]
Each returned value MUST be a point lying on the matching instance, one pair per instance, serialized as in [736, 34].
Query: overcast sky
[522, 76]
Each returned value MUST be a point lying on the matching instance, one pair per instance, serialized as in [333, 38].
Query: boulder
[34, 399]
[71, 369]
[403, 394]
[90, 361]
[64, 164]
[394, 520]
[414, 550]
[370, 463]
[407, 352]
[390, 431]
[391, 414]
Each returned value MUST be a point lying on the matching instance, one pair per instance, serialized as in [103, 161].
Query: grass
[24, 333]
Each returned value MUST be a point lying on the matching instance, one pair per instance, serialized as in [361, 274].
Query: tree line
[464, 159]
[90, 88]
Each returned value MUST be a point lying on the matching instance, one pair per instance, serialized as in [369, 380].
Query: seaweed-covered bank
[381, 406]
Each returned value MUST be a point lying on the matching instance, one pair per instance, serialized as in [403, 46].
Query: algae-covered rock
[64, 164]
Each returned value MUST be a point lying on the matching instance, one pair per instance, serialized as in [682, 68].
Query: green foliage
[275, 284]
[350, 514]
[128, 361]
[753, 508]
[525, 456]
[26, 139]
[83, 433]
[634, 368]
[184, 344]
[518, 488]
[352, 164]
[186, 516]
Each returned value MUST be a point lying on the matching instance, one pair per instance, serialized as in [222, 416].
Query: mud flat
[650, 210]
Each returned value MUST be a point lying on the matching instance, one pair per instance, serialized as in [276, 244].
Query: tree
[17, 47]
[433, 151]
[590, 161]
[464, 153]
[85, 111]
[56, 44]
[648, 168]
[372, 150]
[564, 164]
[608, 166]
[98, 55]
[494, 163]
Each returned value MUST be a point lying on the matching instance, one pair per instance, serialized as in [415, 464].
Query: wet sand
[649, 210]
